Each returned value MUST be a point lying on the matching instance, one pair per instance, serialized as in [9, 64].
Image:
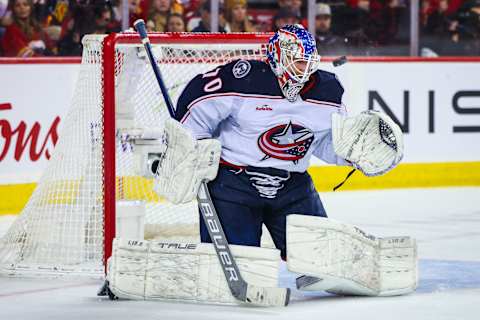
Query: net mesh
[61, 229]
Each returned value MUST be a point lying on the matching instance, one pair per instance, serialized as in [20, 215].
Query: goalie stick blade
[267, 297]
[102, 292]
[105, 291]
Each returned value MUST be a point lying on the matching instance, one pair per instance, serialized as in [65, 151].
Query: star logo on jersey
[289, 142]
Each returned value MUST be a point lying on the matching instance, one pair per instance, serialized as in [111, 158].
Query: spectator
[384, 21]
[5, 20]
[434, 18]
[469, 18]
[41, 9]
[5, 15]
[353, 22]
[103, 17]
[24, 37]
[204, 24]
[237, 17]
[55, 14]
[457, 34]
[137, 10]
[454, 6]
[327, 42]
[74, 27]
[158, 14]
[283, 17]
[191, 13]
[175, 23]
[434, 26]
[294, 5]
[466, 29]
[96, 18]
[369, 24]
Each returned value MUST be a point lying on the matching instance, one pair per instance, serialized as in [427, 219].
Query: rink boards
[437, 102]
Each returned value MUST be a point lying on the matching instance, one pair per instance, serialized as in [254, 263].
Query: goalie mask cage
[68, 224]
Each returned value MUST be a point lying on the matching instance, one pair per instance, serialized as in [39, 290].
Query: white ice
[446, 223]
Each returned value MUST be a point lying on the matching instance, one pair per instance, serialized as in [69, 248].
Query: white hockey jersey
[241, 104]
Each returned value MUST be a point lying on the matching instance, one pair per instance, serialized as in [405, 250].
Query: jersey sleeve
[324, 147]
[204, 103]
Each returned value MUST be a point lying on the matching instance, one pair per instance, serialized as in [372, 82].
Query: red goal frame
[108, 97]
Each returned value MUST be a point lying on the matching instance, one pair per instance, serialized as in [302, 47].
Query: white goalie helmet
[293, 57]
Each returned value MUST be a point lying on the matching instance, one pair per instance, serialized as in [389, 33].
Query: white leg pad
[342, 259]
[150, 270]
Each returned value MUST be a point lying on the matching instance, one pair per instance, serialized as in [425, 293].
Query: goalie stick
[240, 289]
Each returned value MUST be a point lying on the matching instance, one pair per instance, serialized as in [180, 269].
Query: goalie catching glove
[185, 163]
[371, 141]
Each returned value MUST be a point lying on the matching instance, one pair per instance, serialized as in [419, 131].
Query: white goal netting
[62, 228]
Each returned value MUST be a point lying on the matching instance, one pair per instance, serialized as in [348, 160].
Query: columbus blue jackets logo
[288, 142]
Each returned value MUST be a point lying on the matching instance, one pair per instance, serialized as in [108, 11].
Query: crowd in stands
[356, 27]
[451, 27]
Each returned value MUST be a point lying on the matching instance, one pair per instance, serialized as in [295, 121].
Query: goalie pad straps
[342, 259]
[371, 141]
[185, 163]
[156, 270]
[344, 180]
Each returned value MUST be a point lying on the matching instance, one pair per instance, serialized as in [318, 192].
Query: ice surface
[446, 223]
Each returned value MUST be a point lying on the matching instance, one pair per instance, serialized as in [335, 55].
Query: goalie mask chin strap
[344, 180]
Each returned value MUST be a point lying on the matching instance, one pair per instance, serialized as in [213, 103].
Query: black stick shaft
[142, 31]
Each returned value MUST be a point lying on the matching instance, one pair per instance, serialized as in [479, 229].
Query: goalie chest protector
[242, 105]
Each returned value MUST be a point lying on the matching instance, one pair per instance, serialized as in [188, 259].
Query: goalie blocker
[185, 163]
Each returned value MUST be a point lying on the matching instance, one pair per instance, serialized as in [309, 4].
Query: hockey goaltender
[249, 128]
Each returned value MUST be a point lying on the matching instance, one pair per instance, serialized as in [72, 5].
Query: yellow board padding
[135, 188]
[406, 175]
[13, 197]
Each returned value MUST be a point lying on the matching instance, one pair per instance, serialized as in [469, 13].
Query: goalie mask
[293, 57]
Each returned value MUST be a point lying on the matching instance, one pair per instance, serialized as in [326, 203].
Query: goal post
[68, 224]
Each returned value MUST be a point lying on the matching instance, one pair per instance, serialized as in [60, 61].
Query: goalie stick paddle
[240, 289]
